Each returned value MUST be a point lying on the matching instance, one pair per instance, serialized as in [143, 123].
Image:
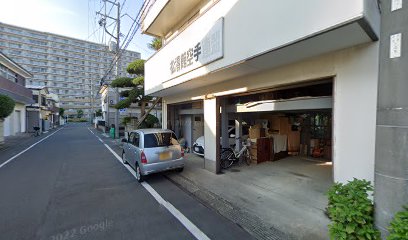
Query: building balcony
[162, 15]
[236, 38]
[18, 92]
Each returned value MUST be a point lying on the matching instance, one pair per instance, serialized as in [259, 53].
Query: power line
[127, 41]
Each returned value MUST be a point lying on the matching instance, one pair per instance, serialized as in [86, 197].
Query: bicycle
[36, 132]
[229, 155]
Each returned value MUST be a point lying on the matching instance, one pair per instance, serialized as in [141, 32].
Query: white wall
[9, 123]
[251, 29]
[355, 99]
[355, 104]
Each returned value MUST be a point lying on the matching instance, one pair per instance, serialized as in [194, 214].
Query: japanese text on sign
[207, 50]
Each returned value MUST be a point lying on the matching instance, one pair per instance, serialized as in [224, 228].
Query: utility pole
[391, 157]
[92, 101]
[102, 22]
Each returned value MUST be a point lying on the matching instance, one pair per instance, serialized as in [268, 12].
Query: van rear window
[152, 140]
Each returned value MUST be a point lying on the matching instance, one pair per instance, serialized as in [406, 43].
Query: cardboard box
[284, 125]
[255, 132]
[293, 141]
[254, 153]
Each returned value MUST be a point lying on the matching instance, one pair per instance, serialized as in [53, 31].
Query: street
[71, 186]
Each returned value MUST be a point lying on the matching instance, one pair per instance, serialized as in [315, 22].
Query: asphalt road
[70, 186]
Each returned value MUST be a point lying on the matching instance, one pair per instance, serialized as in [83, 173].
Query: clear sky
[73, 18]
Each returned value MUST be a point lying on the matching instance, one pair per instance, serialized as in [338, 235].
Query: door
[133, 150]
[186, 123]
[198, 126]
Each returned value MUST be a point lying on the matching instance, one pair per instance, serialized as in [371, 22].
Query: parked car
[152, 150]
[199, 144]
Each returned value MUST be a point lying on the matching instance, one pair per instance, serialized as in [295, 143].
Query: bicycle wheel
[247, 157]
[227, 158]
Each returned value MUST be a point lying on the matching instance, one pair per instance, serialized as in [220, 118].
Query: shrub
[351, 211]
[6, 106]
[399, 226]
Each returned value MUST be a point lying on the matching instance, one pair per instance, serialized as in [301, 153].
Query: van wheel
[179, 169]
[139, 176]
[124, 161]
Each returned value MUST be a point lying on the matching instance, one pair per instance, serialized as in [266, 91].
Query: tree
[136, 94]
[155, 44]
[6, 106]
[98, 113]
[80, 113]
[61, 112]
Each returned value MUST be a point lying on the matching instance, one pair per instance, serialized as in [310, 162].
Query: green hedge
[7, 105]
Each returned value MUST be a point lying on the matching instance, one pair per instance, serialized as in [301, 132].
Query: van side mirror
[124, 140]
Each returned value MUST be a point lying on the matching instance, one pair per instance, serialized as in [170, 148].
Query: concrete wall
[391, 163]
[10, 123]
[355, 72]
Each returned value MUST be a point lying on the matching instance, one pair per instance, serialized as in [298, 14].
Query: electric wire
[128, 38]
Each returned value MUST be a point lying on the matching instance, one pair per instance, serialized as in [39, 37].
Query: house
[38, 112]
[306, 72]
[108, 100]
[12, 83]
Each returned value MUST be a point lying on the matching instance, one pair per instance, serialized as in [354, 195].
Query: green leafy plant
[6, 106]
[98, 113]
[80, 113]
[351, 211]
[61, 112]
[149, 122]
[155, 44]
[399, 226]
[136, 67]
[122, 82]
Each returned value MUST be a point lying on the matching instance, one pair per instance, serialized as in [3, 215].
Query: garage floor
[288, 194]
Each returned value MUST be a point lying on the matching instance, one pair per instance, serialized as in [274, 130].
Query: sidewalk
[270, 200]
[292, 207]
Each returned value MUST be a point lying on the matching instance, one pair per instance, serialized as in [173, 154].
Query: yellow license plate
[164, 156]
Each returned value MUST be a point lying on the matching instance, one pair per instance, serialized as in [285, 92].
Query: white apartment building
[68, 67]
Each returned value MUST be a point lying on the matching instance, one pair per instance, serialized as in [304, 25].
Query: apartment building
[306, 72]
[68, 67]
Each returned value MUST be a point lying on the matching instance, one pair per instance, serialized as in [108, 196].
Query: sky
[74, 18]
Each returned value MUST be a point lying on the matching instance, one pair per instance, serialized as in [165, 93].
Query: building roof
[34, 87]
[9, 63]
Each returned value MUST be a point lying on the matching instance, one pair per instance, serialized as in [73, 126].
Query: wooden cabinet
[261, 151]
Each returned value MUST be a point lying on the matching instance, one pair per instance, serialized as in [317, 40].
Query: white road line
[193, 229]
[25, 150]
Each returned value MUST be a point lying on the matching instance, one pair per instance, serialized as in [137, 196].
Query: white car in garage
[199, 144]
